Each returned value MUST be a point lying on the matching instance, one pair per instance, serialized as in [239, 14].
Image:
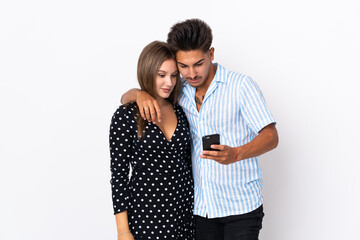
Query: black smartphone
[208, 140]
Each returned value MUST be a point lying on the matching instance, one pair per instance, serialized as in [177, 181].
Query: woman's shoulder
[126, 110]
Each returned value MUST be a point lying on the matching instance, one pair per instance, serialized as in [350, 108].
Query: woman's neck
[162, 102]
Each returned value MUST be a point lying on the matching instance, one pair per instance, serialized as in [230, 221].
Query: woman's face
[165, 80]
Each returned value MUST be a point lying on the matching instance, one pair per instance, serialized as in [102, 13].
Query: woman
[156, 201]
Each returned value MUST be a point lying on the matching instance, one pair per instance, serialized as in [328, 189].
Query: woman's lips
[165, 90]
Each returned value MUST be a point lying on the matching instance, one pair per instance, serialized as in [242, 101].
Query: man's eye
[182, 66]
[198, 64]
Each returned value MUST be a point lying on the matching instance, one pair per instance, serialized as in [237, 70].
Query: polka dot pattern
[159, 194]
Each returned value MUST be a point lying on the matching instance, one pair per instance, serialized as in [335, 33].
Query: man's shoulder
[232, 77]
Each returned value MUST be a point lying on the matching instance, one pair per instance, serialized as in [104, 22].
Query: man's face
[195, 65]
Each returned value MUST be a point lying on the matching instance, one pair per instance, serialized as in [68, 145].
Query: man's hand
[148, 106]
[225, 156]
[266, 140]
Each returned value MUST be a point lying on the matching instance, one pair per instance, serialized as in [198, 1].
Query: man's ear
[211, 54]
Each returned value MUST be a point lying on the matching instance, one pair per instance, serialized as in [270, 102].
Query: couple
[165, 152]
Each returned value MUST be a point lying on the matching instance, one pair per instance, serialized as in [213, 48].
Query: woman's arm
[120, 141]
[122, 225]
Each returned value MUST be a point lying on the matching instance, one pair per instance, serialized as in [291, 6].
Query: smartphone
[208, 140]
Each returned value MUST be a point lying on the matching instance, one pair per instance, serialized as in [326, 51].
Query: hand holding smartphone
[208, 140]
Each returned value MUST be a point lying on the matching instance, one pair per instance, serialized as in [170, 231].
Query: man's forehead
[190, 57]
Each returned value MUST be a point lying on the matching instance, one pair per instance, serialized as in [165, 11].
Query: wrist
[123, 229]
[137, 94]
[236, 154]
[123, 233]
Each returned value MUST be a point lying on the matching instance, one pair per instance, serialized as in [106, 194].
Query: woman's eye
[174, 75]
[162, 75]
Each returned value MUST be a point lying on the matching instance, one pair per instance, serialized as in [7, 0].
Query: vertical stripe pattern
[235, 108]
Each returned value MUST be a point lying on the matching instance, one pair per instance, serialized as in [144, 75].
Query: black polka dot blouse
[158, 191]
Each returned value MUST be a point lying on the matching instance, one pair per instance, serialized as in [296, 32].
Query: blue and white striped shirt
[233, 107]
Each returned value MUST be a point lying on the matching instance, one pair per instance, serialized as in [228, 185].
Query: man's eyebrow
[194, 63]
[200, 61]
[181, 63]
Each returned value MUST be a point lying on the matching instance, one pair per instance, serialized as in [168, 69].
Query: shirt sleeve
[253, 106]
[120, 141]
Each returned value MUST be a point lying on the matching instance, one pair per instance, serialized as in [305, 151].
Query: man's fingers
[157, 109]
[216, 158]
[210, 153]
[142, 113]
[214, 153]
[222, 156]
[147, 106]
[220, 160]
[218, 147]
[147, 113]
[153, 114]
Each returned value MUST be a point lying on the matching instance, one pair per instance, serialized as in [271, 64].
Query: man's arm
[148, 106]
[265, 141]
[129, 96]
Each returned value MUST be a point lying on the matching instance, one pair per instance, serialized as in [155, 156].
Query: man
[228, 182]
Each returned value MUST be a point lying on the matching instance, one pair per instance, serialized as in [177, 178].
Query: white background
[65, 64]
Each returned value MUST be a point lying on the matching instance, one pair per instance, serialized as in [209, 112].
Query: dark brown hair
[188, 35]
[150, 60]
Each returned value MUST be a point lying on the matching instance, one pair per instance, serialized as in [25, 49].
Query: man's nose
[192, 73]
